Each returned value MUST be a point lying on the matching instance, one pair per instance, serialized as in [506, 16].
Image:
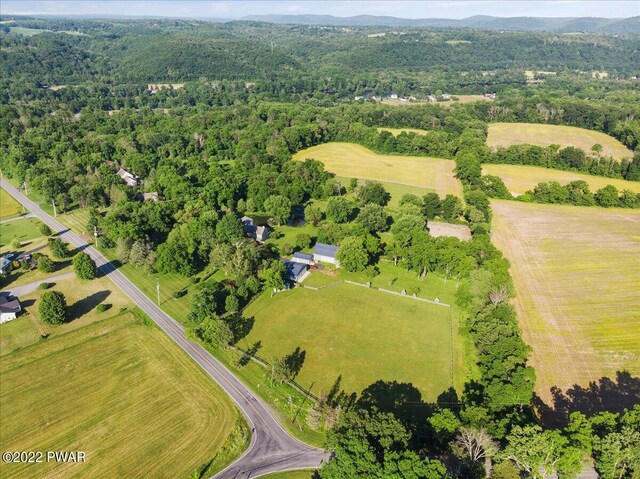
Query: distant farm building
[295, 272]
[252, 228]
[129, 178]
[9, 307]
[302, 258]
[326, 253]
[156, 87]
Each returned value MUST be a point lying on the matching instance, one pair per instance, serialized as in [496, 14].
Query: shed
[303, 258]
[9, 308]
[295, 271]
[326, 253]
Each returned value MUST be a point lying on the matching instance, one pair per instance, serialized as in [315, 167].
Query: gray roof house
[302, 258]
[9, 307]
[259, 233]
[6, 263]
[129, 178]
[326, 253]
[295, 271]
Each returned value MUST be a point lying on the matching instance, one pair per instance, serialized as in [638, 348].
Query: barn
[326, 253]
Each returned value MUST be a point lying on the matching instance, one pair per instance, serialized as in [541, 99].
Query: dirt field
[576, 272]
[355, 161]
[520, 179]
[506, 134]
[437, 229]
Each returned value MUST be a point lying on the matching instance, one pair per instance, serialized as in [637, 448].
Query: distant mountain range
[485, 22]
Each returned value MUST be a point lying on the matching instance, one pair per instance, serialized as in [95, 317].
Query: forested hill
[58, 51]
[485, 22]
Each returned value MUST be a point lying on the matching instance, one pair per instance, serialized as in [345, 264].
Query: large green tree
[84, 266]
[53, 307]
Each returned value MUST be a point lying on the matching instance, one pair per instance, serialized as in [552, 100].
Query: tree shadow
[605, 394]
[83, 306]
[250, 353]
[294, 361]
[240, 326]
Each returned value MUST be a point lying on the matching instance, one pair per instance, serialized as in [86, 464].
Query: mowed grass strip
[8, 206]
[506, 134]
[576, 272]
[519, 178]
[125, 394]
[358, 333]
[24, 229]
[355, 161]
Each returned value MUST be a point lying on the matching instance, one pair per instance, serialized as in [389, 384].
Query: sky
[404, 9]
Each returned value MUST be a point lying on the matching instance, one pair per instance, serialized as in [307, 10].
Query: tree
[313, 213]
[231, 303]
[45, 264]
[445, 424]
[352, 254]
[53, 307]
[372, 192]
[229, 229]
[597, 149]
[45, 230]
[123, 249]
[451, 208]
[617, 454]
[373, 218]
[84, 266]
[138, 253]
[273, 276]
[62, 201]
[338, 210]
[279, 207]
[607, 196]
[478, 444]
[215, 332]
[303, 240]
[58, 248]
[431, 206]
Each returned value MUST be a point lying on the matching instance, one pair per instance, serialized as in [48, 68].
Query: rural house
[295, 272]
[9, 307]
[302, 258]
[129, 178]
[6, 264]
[258, 232]
[326, 253]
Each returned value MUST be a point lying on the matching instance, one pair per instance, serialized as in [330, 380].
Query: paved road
[271, 449]
[27, 288]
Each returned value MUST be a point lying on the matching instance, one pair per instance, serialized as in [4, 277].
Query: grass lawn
[354, 161]
[289, 234]
[520, 179]
[397, 131]
[29, 32]
[360, 334]
[506, 134]
[576, 274]
[26, 229]
[303, 474]
[120, 391]
[395, 190]
[8, 206]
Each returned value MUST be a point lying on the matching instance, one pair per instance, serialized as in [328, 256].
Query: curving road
[272, 449]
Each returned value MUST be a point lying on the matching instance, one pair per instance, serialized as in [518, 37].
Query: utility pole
[158, 290]
[55, 213]
[26, 193]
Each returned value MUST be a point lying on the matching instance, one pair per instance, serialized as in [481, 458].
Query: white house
[129, 178]
[326, 253]
[9, 308]
[259, 233]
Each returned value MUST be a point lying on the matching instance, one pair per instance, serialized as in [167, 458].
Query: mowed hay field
[506, 134]
[120, 391]
[358, 333]
[355, 161]
[519, 179]
[576, 272]
[8, 206]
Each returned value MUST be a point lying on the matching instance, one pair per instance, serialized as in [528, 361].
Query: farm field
[345, 331]
[397, 131]
[506, 134]
[576, 274]
[122, 392]
[355, 161]
[395, 190]
[8, 206]
[520, 178]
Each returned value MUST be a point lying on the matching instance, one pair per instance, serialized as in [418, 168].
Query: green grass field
[120, 391]
[520, 179]
[8, 206]
[362, 334]
[291, 475]
[576, 274]
[29, 32]
[354, 161]
[26, 229]
[397, 131]
[506, 134]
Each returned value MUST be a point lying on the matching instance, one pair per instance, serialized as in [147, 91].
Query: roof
[306, 256]
[325, 250]
[294, 270]
[8, 305]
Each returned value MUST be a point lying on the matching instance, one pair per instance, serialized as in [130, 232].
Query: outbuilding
[303, 258]
[9, 307]
[295, 272]
[326, 253]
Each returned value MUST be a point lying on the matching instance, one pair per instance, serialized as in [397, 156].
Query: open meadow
[355, 161]
[8, 206]
[506, 134]
[576, 272]
[122, 392]
[360, 334]
[520, 178]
